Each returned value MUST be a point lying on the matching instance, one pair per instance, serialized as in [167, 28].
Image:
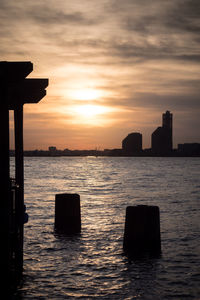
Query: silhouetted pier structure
[15, 91]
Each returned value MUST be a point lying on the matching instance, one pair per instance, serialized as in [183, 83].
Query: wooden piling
[19, 178]
[67, 213]
[142, 230]
[5, 253]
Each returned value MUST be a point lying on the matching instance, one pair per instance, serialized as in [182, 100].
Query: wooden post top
[14, 71]
[19, 90]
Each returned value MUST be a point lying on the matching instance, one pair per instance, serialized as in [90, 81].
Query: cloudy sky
[114, 66]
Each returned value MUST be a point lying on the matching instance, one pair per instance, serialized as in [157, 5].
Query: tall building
[161, 138]
[132, 143]
[167, 120]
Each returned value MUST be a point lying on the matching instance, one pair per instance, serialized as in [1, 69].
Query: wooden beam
[30, 90]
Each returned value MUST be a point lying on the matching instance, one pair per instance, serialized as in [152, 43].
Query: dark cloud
[157, 101]
[45, 13]
[173, 102]
[185, 17]
[54, 17]
[168, 30]
[178, 17]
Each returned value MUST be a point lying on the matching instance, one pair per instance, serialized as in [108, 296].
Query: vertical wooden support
[4, 191]
[67, 213]
[19, 177]
[142, 230]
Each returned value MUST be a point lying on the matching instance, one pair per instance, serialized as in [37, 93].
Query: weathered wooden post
[142, 230]
[67, 213]
[5, 252]
[19, 179]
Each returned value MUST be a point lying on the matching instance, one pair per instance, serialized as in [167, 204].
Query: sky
[114, 66]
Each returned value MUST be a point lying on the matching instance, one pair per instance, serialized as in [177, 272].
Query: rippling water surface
[92, 265]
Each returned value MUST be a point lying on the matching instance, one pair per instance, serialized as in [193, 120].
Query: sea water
[92, 265]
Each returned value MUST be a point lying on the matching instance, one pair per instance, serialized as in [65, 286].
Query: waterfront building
[161, 138]
[132, 143]
[52, 149]
[189, 149]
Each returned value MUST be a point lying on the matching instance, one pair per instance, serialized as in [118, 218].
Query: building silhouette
[132, 143]
[189, 149]
[161, 138]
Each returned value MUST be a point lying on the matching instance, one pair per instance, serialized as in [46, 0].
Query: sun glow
[85, 94]
[89, 111]
[86, 105]
[86, 114]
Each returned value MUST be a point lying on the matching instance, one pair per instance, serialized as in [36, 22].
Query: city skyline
[113, 68]
[132, 144]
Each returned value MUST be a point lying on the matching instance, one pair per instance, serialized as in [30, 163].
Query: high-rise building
[161, 139]
[167, 120]
[132, 143]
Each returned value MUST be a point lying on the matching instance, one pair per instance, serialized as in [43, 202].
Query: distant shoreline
[94, 153]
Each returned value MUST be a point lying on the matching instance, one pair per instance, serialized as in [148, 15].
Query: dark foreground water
[92, 265]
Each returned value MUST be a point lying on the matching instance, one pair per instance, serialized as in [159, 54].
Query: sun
[86, 114]
[90, 111]
[85, 94]
[87, 106]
